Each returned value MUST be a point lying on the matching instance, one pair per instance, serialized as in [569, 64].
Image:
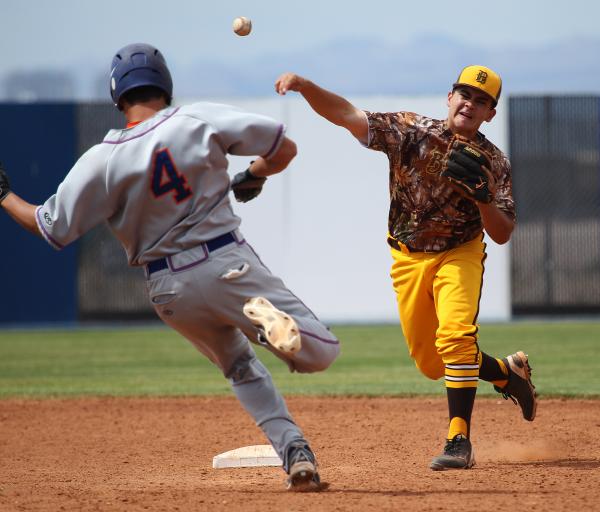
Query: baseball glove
[467, 168]
[246, 186]
[4, 183]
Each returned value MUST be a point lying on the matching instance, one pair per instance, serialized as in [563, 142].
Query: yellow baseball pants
[438, 300]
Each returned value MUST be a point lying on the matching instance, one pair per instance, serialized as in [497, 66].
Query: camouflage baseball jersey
[426, 213]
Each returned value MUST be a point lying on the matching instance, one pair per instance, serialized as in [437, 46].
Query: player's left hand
[4, 183]
[246, 186]
[467, 168]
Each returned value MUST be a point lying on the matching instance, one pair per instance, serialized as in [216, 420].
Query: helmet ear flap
[139, 65]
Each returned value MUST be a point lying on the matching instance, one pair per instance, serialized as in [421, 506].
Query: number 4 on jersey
[165, 177]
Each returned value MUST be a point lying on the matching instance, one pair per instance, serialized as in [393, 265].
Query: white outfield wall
[321, 225]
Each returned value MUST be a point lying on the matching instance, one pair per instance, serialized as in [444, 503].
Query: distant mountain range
[426, 65]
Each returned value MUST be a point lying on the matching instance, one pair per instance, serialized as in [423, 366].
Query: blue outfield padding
[38, 147]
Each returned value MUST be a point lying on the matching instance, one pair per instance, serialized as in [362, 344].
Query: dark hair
[143, 94]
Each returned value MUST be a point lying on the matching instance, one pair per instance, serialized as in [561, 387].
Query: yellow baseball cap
[482, 78]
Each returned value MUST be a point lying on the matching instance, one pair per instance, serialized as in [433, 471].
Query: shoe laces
[506, 395]
[453, 445]
[298, 453]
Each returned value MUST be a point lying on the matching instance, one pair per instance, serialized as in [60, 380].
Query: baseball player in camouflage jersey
[440, 204]
[162, 186]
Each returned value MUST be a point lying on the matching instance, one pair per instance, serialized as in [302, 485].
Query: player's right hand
[289, 82]
[4, 183]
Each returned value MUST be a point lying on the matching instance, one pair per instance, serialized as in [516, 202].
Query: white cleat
[278, 328]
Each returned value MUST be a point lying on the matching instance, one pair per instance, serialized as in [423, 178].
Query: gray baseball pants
[201, 295]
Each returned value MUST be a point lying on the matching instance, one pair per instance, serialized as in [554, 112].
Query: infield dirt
[156, 454]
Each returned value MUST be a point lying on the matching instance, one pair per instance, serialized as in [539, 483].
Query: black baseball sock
[492, 369]
[460, 407]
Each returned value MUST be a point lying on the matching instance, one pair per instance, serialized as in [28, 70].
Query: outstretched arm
[332, 107]
[22, 212]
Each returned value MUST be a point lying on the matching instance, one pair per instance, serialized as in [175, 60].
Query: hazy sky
[43, 34]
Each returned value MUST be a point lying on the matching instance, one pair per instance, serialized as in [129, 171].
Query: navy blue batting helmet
[138, 65]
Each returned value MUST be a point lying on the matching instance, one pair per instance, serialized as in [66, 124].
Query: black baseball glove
[467, 168]
[246, 186]
[4, 183]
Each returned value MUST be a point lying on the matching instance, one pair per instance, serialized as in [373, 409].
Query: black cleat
[458, 454]
[301, 466]
[519, 388]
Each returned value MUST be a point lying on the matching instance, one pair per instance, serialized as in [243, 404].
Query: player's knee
[433, 370]
[432, 373]
[462, 350]
[324, 361]
[312, 367]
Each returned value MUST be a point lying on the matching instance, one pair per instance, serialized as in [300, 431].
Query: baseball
[242, 26]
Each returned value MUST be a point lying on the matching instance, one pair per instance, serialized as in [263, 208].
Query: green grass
[374, 361]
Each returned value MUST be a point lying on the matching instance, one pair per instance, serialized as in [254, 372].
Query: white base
[248, 456]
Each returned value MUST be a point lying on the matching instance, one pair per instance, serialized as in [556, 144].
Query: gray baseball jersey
[162, 186]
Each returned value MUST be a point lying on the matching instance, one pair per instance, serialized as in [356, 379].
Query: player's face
[467, 109]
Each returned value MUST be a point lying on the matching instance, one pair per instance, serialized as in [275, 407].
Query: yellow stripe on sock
[502, 366]
[461, 384]
[457, 426]
[462, 373]
[461, 376]
[504, 382]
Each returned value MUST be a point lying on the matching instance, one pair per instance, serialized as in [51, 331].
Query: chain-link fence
[107, 287]
[554, 150]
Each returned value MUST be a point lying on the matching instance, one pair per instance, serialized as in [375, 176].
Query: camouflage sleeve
[385, 131]
[504, 198]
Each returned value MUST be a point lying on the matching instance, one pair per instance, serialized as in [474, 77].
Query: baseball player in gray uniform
[162, 186]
